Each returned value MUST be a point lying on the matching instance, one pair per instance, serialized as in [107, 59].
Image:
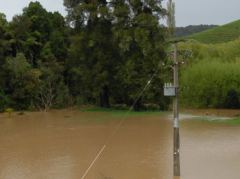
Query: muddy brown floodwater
[62, 145]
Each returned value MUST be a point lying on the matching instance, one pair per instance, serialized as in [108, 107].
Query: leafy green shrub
[232, 99]
[151, 107]
[210, 83]
[4, 101]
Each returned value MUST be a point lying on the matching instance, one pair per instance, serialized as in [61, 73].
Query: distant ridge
[191, 29]
[219, 34]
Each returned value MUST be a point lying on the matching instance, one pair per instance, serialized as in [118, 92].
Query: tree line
[103, 53]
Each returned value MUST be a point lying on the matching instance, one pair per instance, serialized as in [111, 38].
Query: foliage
[225, 52]
[211, 76]
[28, 43]
[52, 91]
[4, 101]
[210, 83]
[115, 49]
[103, 54]
[21, 82]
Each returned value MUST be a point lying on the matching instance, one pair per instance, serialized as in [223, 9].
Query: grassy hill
[219, 34]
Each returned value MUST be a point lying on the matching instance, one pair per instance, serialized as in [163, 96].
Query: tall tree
[21, 81]
[171, 17]
[5, 38]
[92, 55]
[116, 47]
[42, 39]
[5, 51]
[140, 39]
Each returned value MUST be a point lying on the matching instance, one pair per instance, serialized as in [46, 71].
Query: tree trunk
[104, 97]
[138, 105]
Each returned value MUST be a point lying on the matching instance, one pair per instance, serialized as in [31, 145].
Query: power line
[117, 128]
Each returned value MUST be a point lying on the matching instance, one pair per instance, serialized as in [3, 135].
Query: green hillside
[219, 34]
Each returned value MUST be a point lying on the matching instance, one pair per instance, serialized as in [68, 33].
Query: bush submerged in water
[9, 111]
[211, 84]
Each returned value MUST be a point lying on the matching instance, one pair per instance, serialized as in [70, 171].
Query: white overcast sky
[188, 12]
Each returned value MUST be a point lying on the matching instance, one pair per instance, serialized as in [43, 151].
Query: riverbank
[226, 116]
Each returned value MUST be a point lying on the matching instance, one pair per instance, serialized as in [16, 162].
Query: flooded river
[66, 144]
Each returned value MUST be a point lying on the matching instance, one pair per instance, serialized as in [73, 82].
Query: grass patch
[96, 115]
[116, 112]
[234, 121]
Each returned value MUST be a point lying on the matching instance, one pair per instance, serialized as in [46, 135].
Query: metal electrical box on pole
[169, 90]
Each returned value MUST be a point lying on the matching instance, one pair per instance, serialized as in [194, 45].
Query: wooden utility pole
[176, 151]
[176, 138]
